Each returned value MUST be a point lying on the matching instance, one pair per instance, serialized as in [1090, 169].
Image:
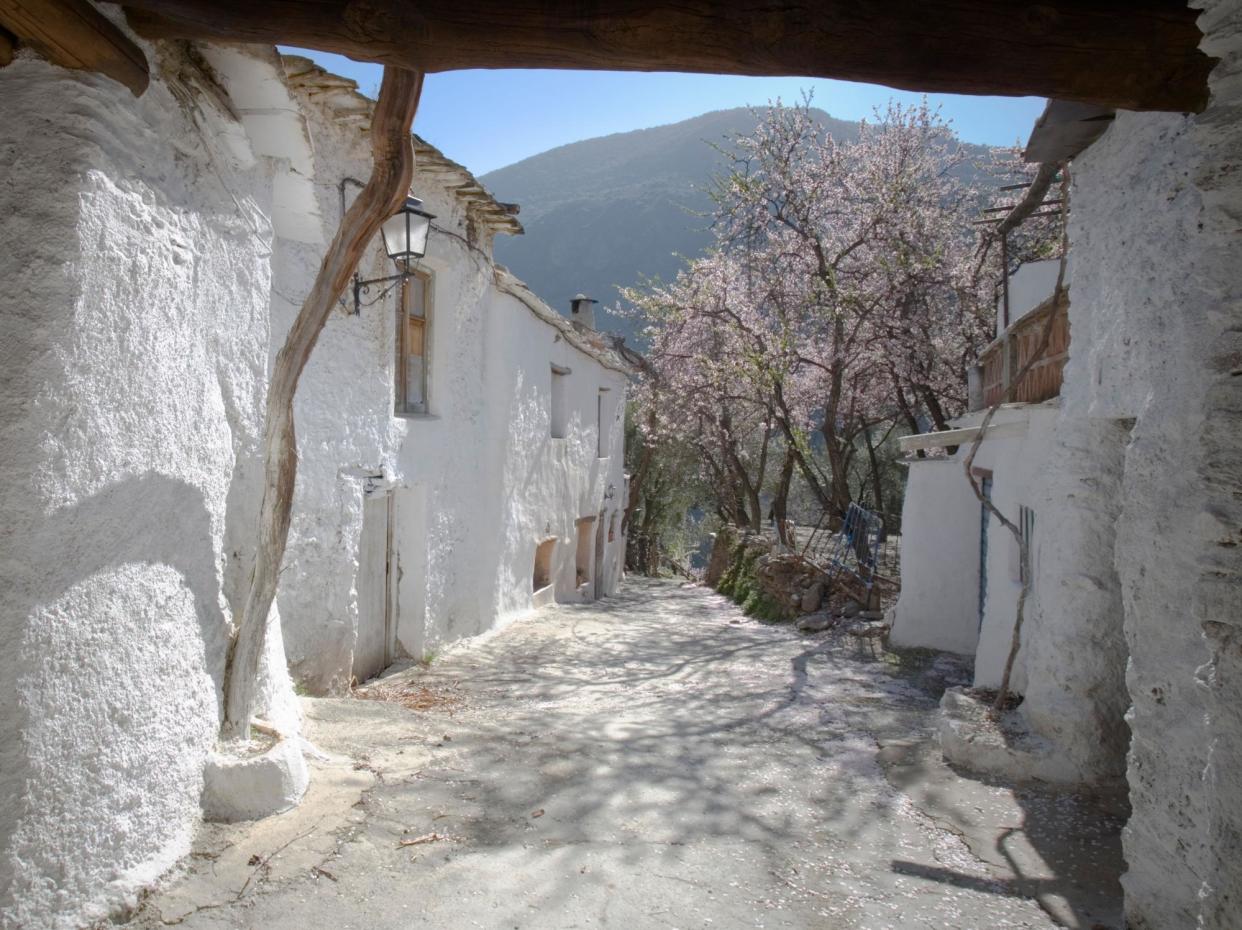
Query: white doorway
[373, 650]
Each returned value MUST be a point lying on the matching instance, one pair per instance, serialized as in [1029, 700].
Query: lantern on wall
[405, 241]
[405, 233]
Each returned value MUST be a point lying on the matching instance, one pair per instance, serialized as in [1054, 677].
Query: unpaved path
[654, 760]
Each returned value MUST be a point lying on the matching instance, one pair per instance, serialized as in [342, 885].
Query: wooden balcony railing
[1004, 358]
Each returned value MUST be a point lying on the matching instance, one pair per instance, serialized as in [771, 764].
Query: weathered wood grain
[1135, 54]
[7, 46]
[73, 34]
[379, 198]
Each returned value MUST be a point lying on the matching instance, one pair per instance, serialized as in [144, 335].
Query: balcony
[1032, 292]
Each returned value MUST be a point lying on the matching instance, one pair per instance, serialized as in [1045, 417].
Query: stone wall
[770, 585]
[1157, 202]
[1075, 650]
[133, 326]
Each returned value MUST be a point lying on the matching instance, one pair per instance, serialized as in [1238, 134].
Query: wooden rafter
[1134, 54]
[73, 34]
[391, 172]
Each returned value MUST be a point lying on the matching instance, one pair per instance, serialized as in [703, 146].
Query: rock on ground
[653, 760]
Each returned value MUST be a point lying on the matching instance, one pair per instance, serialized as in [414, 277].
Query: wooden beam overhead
[1134, 54]
[7, 47]
[73, 34]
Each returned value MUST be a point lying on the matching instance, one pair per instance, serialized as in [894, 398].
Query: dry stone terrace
[652, 760]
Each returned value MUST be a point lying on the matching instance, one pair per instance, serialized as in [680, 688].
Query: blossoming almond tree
[841, 295]
[698, 386]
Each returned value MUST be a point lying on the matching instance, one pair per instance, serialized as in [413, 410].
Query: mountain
[607, 212]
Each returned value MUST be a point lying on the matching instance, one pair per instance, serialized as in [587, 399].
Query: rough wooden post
[381, 196]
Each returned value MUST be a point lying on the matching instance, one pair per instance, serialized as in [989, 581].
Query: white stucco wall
[1074, 647]
[552, 482]
[1155, 224]
[1142, 575]
[134, 322]
[1029, 286]
[939, 603]
[343, 422]
[940, 556]
[1016, 464]
[154, 253]
[477, 480]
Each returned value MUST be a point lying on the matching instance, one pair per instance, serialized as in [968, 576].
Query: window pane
[416, 297]
[415, 395]
[412, 346]
[414, 337]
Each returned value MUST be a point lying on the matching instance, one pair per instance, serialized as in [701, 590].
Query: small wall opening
[543, 564]
[598, 572]
[560, 403]
[603, 425]
[582, 558]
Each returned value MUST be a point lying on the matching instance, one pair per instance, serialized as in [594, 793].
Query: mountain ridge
[609, 211]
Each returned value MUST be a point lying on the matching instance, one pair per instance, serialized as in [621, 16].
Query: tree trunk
[754, 488]
[904, 405]
[934, 408]
[384, 192]
[780, 503]
[876, 482]
[640, 474]
[839, 469]
[783, 420]
[649, 558]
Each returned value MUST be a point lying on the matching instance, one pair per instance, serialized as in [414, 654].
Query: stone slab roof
[342, 98]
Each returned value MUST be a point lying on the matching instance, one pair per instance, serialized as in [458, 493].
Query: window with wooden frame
[413, 344]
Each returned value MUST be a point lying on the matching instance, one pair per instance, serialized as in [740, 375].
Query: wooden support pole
[7, 46]
[384, 192]
[73, 34]
[1136, 54]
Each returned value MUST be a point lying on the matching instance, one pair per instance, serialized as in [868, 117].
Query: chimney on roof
[582, 312]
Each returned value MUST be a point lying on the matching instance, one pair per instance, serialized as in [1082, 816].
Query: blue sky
[489, 119]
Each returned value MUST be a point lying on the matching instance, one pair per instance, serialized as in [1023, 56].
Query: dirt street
[654, 760]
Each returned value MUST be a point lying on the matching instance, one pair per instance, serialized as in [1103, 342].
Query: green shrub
[762, 607]
[739, 582]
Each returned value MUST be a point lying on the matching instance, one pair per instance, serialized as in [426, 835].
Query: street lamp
[405, 241]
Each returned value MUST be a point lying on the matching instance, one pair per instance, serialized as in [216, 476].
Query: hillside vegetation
[604, 213]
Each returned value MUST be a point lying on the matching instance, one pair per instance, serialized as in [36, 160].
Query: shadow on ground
[659, 760]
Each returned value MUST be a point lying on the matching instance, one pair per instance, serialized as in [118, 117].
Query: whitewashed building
[460, 442]
[1132, 655]
[457, 438]
[961, 571]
